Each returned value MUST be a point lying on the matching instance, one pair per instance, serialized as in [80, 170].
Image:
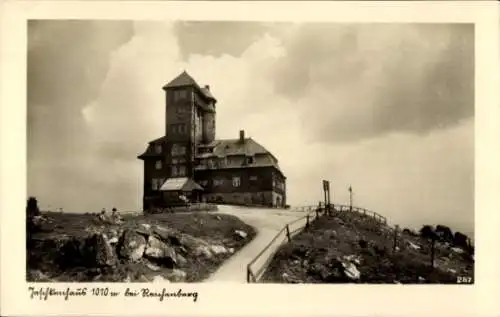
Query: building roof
[227, 147]
[180, 184]
[184, 79]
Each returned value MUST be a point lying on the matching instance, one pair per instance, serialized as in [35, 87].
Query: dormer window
[250, 159]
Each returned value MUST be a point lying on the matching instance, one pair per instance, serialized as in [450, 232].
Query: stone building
[188, 163]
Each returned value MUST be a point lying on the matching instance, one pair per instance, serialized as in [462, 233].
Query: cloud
[359, 81]
[378, 107]
[67, 63]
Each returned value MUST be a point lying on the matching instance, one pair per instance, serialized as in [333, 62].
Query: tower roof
[184, 79]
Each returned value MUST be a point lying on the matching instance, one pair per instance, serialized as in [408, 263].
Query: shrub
[444, 233]
[427, 232]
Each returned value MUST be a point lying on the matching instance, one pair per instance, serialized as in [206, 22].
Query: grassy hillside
[353, 249]
[185, 247]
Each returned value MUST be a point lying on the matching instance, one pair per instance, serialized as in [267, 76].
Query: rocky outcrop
[132, 246]
[104, 250]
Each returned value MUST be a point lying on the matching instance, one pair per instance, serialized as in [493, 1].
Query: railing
[264, 258]
[286, 234]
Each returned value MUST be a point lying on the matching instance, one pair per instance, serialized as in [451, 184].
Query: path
[267, 222]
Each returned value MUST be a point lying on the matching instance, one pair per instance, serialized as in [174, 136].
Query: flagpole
[350, 198]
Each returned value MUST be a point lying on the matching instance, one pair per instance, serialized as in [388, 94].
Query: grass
[212, 228]
[310, 256]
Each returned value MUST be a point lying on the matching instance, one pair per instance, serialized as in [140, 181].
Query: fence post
[307, 221]
[248, 273]
[395, 245]
[288, 233]
[317, 213]
[433, 246]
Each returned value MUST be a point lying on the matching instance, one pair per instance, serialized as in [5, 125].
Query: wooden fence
[259, 264]
[286, 234]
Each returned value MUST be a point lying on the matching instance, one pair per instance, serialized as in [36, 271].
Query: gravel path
[267, 222]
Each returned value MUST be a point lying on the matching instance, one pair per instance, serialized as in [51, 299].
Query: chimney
[207, 87]
[242, 136]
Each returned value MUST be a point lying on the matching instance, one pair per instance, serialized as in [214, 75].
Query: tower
[190, 120]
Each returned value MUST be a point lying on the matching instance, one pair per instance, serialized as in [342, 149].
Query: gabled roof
[180, 184]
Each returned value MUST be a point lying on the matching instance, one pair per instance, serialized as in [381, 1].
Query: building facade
[232, 171]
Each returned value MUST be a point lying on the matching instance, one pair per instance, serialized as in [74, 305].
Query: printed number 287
[464, 279]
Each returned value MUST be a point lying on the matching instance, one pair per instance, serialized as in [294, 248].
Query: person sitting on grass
[115, 216]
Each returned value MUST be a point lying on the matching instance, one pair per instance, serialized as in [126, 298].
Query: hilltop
[169, 247]
[352, 248]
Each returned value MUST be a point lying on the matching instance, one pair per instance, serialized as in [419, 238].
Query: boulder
[103, 252]
[160, 279]
[176, 275]
[167, 234]
[160, 251]
[181, 261]
[240, 234]
[153, 267]
[351, 271]
[132, 246]
[218, 249]
[203, 250]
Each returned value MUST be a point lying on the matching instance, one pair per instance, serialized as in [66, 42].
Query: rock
[146, 226]
[133, 245]
[144, 279]
[38, 276]
[203, 250]
[168, 235]
[413, 245]
[181, 261]
[353, 258]
[127, 279]
[192, 243]
[457, 250]
[240, 234]
[153, 267]
[218, 249]
[231, 250]
[113, 240]
[421, 279]
[101, 250]
[158, 250]
[160, 279]
[177, 275]
[351, 271]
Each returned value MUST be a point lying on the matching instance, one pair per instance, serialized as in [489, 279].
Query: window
[174, 171]
[158, 165]
[218, 182]
[158, 148]
[204, 183]
[236, 181]
[253, 178]
[178, 149]
[157, 183]
[249, 159]
[182, 170]
[180, 94]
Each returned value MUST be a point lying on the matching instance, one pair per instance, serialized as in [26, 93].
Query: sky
[385, 108]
